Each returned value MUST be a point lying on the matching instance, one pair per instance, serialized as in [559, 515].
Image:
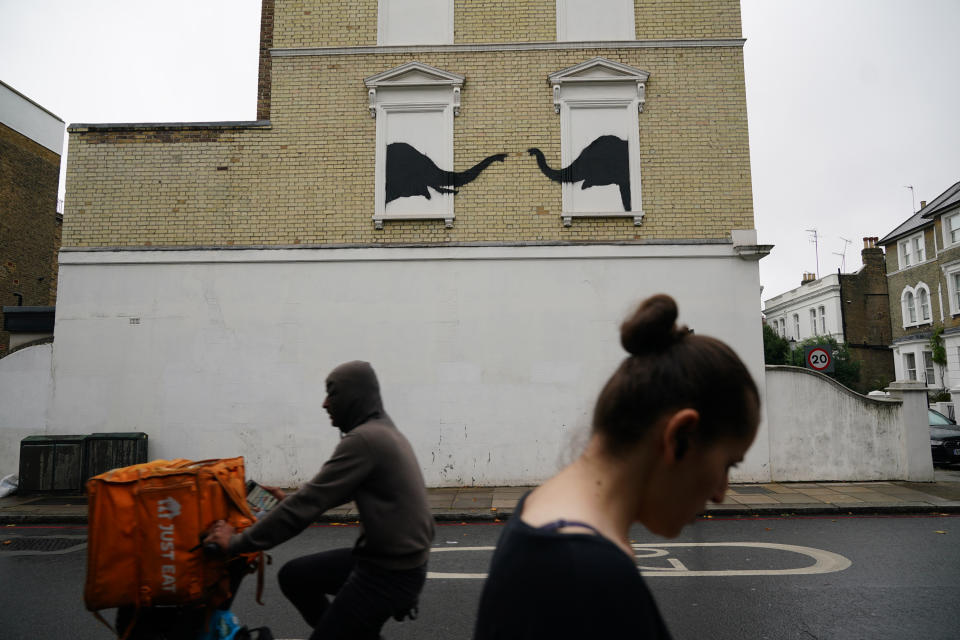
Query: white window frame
[823, 320]
[419, 88]
[813, 322]
[908, 305]
[951, 228]
[390, 37]
[911, 251]
[951, 273]
[609, 84]
[929, 372]
[796, 327]
[914, 311]
[910, 365]
[924, 312]
[626, 22]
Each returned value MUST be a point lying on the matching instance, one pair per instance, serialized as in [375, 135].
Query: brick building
[923, 276]
[852, 308]
[469, 195]
[31, 141]
[866, 318]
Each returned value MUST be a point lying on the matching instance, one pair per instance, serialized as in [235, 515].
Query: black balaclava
[353, 395]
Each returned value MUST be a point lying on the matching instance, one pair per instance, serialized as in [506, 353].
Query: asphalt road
[782, 578]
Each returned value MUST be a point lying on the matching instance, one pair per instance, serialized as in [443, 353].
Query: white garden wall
[823, 431]
[25, 391]
[489, 357]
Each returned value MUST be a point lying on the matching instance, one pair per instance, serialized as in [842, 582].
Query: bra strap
[561, 524]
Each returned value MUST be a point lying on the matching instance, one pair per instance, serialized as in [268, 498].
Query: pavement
[471, 504]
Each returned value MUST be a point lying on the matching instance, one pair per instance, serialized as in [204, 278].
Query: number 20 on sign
[818, 358]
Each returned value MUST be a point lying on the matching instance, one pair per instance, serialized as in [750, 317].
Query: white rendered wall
[489, 358]
[31, 120]
[824, 292]
[25, 386]
[917, 347]
[823, 431]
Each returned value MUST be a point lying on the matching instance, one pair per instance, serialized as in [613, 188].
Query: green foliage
[776, 350]
[846, 370]
[941, 396]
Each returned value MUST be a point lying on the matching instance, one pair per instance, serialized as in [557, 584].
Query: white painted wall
[595, 20]
[824, 292]
[405, 22]
[489, 358]
[823, 431]
[25, 390]
[918, 348]
[30, 119]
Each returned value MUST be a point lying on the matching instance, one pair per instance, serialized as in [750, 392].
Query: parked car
[944, 438]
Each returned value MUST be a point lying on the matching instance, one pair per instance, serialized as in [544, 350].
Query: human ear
[680, 428]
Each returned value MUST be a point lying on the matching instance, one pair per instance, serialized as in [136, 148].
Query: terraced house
[470, 195]
[923, 277]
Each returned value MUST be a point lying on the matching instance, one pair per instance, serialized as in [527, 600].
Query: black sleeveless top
[550, 585]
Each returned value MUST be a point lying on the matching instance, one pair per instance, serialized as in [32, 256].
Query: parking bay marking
[824, 561]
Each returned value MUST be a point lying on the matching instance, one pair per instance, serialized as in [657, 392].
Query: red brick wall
[29, 231]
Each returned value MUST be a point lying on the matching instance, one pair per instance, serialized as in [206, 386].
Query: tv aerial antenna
[814, 238]
[913, 197]
[843, 254]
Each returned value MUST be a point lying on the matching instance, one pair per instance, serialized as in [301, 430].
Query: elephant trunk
[468, 176]
[553, 174]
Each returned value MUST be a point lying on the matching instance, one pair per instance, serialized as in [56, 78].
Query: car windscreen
[940, 420]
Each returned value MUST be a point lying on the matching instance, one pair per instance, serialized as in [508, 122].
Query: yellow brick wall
[322, 23]
[683, 19]
[310, 178]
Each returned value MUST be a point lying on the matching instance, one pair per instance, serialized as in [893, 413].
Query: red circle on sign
[818, 359]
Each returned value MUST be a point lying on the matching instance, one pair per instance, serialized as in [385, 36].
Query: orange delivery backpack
[145, 528]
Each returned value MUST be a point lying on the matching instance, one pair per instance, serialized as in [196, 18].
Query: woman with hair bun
[671, 421]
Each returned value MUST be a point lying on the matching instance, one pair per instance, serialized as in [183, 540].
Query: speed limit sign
[818, 358]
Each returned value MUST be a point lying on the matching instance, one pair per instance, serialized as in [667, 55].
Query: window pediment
[599, 71]
[414, 75]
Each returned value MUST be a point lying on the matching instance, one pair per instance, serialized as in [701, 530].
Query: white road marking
[823, 561]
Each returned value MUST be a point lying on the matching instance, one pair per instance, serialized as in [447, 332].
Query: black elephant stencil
[410, 173]
[604, 161]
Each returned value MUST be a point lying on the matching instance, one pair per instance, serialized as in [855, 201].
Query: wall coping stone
[167, 126]
[789, 368]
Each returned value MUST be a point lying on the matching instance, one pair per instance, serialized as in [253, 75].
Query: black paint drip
[604, 161]
[410, 173]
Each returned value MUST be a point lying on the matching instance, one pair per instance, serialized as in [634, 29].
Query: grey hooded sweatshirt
[374, 465]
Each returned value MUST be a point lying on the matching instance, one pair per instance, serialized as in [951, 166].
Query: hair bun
[652, 327]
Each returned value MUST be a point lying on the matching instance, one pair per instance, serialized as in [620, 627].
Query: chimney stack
[808, 277]
[923, 203]
[872, 255]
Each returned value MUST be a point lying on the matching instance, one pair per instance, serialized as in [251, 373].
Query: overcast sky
[848, 101]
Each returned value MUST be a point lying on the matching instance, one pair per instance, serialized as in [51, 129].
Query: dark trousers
[365, 595]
